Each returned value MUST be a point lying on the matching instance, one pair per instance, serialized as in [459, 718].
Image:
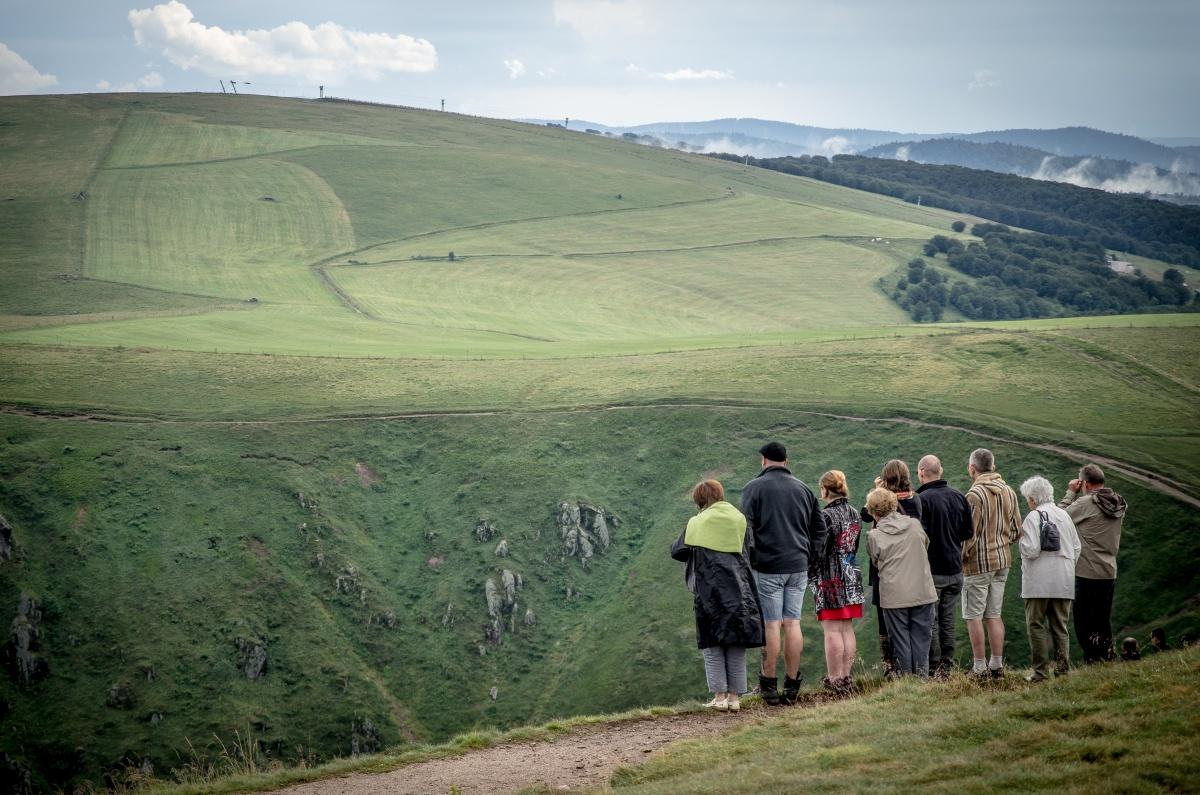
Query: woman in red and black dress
[836, 581]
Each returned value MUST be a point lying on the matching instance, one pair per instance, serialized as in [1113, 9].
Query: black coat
[787, 528]
[946, 517]
[724, 596]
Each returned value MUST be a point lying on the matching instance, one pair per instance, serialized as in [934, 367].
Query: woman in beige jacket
[897, 547]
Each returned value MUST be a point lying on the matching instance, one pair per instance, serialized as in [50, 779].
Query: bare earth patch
[366, 475]
[584, 758]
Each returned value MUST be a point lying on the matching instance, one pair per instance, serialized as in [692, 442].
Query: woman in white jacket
[1049, 548]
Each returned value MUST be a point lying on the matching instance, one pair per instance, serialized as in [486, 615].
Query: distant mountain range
[1078, 155]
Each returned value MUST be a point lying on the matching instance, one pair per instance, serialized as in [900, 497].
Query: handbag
[1048, 533]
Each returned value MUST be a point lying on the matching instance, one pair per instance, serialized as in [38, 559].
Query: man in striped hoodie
[987, 555]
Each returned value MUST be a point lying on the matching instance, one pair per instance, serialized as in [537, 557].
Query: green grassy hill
[195, 480]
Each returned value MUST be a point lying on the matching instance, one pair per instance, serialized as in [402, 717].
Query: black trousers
[945, 610]
[1093, 618]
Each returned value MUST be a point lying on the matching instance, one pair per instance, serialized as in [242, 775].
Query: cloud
[17, 76]
[547, 73]
[836, 145]
[515, 68]
[593, 18]
[1134, 178]
[327, 53]
[984, 78]
[681, 74]
[104, 85]
[150, 80]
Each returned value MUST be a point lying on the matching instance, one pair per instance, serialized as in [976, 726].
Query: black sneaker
[769, 687]
[996, 673]
[791, 688]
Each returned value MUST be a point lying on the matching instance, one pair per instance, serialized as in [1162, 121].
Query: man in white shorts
[987, 556]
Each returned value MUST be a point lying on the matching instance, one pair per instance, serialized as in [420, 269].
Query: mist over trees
[1117, 221]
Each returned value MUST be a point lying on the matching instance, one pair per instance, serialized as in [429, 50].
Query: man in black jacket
[786, 529]
[946, 517]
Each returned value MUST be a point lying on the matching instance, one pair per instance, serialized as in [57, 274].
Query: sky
[916, 66]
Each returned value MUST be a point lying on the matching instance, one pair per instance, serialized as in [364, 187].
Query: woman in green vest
[728, 616]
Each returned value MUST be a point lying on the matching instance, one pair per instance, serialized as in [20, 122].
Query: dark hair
[895, 476]
[1093, 474]
[773, 451]
[707, 492]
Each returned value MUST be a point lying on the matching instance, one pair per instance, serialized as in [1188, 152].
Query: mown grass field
[157, 427]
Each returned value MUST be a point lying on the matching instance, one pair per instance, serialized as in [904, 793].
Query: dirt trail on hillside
[1153, 480]
[584, 758]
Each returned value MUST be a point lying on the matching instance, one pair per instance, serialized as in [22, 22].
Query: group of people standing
[748, 569]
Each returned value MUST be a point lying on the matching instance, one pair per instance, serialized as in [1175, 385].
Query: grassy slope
[1114, 728]
[98, 507]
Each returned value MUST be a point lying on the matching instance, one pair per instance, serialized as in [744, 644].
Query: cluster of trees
[1022, 275]
[1123, 222]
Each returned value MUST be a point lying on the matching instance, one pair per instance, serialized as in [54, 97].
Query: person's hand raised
[1075, 485]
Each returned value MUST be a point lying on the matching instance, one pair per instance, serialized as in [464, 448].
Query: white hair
[1038, 489]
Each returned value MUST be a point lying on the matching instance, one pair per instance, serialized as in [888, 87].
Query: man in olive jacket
[786, 529]
[1098, 513]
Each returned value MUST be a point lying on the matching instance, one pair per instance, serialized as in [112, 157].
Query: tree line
[1122, 222]
[1024, 275]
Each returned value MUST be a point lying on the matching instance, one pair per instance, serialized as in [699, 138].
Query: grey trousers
[910, 629]
[941, 645]
[725, 669]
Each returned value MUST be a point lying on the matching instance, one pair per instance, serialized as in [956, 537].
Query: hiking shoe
[769, 687]
[831, 685]
[996, 673]
[791, 688]
[1034, 678]
[845, 685]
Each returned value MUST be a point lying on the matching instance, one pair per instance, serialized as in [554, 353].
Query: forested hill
[1117, 221]
[1085, 141]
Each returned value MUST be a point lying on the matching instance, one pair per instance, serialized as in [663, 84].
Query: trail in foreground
[582, 759]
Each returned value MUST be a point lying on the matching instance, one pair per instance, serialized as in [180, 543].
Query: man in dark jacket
[946, 517]
[786, 528]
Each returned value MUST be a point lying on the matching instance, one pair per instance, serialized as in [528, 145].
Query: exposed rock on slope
[25, 640]
[584, 529]
[251, 657]
[8, 548]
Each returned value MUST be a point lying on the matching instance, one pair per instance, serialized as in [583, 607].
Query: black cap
[773, 451]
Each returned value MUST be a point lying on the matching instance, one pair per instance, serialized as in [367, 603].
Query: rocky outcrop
[348, 583]
[364, 737]
[386, 620]
[251, 657]
[530, 617]
[501, 601]
[15, 778]
[484, 531]
[584, 529]
[120, 696]
[8, 548]
[494, 692]
[501, 549]
[27, 664]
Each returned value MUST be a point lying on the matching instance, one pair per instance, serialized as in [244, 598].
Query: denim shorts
[781, 595]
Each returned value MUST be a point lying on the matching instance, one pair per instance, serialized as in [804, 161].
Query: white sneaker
[718, 704]
[733, 706]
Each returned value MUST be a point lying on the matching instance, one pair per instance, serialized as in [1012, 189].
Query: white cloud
[17, 76]
[327, 53]
[104, 85]
[150, 80]
[695, 74]
[984, 78]
[592, 18]
[515, 68]
[680, 74]
[547, 73]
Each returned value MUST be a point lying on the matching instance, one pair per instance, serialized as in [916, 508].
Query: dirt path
[582, 759]
[1153, 480]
